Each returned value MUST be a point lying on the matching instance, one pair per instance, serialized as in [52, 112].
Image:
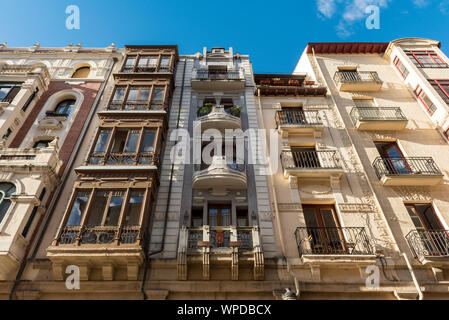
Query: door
[219, 215]
[434, 238]
[393, 158]
[325, 235]
[305, 157]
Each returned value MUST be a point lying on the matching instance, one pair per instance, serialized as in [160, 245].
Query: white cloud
[444, 7]
[421, 3]
[326, 7]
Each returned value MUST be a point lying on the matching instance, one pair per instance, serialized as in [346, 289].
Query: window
[219, 215]
[7, 134]
[30, 99]
[41, 144]
[442, 87]
[426, 59]
[82, 72]
[400, 67]
[27, 227]
[8, 91]
[64, 107]
[425, 100]
[393, 158]
[165, 64]
[6, 191]
[106, 207]
[79, 206]
[129, 64]
[138, 98]
[125, 146]
[197, 217]
[147, 63]
[242, 217]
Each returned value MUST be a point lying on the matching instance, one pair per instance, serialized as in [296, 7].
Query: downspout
[57, 192]
[149, 254]
[412, 273]
[278, 222]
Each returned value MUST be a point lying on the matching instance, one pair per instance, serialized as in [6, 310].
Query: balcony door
[293, 115]
[325, 235]
[393, 158]
[219, 215]
[305, 157]
[430, 230]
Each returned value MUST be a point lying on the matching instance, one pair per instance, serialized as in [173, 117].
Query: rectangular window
[134, 208]
[78, 208]
[165, 64]
[102, 141]
[442, 87]
[30, 99]
[8, 91]
[148, 140]
[425, 100]
[197, 217]
[400, 67]
[426, 59]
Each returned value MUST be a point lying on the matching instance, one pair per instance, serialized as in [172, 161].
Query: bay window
[149, 97]
[426, 59]
[400, 67]
[442, 87]
[425, 100]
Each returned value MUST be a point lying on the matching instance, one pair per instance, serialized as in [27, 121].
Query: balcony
[354, 81]
[220, 176]
[378, 118]
[334, 245]
[410, 171]
[230, 245]
[311, 164]
[287, 84]
[207, 80]
[103, 247]
[216, 117]
[429, 246]
[299, 123]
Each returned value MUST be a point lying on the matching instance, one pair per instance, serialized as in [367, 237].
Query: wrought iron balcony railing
[296, 117]
[149, 68]
[425, 243]
[217, 75]
[99, 235]
[220, 237]
[240, 167]
[325, 159]
[122, 159]
[406, 166]
[376, 114]
[136, 105]
[356, 77]
[333, 240]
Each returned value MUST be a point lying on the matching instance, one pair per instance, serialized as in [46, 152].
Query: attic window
[217, 50]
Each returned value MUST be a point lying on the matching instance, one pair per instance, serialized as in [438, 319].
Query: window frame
[418, 93]
[4, 197]
[157, 68]
[443, 88]
[415, 55]
[149, 104]
[398, 64]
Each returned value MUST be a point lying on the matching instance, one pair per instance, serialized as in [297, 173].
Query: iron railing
[150, 68]
[135, 105]
[99, 235]
[122, 159]
[425, 243]
[325, 159]
[375, 114]
[220, 237]
[240, 167]
[218, 75]
[405, 166]
[356, 77]
[333, 240]
[297, 117]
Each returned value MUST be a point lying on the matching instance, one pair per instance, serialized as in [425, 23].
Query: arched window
[6, 190]
[82, 72]
[64, 107]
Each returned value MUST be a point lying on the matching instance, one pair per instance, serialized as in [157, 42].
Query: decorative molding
[315, 189]
[357, 207]
[289, 207]
[413, 193]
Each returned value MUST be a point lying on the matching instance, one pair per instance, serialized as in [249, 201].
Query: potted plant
[235, 111]
[293, 82]
[278, 81]
[205, 109]
[265, 82]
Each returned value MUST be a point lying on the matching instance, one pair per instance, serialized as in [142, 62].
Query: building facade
[46, 96]
[172, 176]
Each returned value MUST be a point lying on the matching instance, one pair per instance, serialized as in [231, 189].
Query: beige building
[361, 193]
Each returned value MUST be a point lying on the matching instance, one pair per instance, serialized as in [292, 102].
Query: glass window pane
[148, 141]
[119, 141]
[144, 94]
[102, 141]
[133, 93]
[97, 209]
[158, 94]
[4, 92]
[4, 206]
[213, 213]
[130, 61]
[225, 217]
[165, 61]
[153, 61]
[115, 206]
[143, 61]
[131, 144]
[118, 95]
[78, 208]
[134, 208]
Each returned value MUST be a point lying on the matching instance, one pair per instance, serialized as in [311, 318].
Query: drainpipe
[57, 192]
[149, 254]
[288, 295]
[415, 280]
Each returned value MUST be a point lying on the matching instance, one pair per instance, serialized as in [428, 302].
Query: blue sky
[273, 33]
